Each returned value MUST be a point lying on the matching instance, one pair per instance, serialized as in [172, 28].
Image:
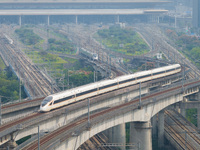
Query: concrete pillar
[117, 134]
[110, 135]
[197, 96]
[154, 126]
[177, 107]
[175, 21]
[161, 129]
[10, 145]
[140, 134]
[183, 110]
[117, 18]
[198, 118]
[185, 99]
[48, 20]
[76, 19]
[20, 20]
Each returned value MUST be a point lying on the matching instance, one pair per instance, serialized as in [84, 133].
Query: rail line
[86, 41]
[178, 127]
[21, 103]
[176, 137]
[37, 84]
[183, 126]
[152, 35]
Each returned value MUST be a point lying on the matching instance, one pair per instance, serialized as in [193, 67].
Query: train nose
[42, 108]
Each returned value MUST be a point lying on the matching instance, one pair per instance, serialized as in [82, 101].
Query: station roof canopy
[84, 1]
[80, 12]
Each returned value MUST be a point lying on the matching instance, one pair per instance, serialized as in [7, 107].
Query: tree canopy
[27, 36]
[61, 46]
[189, 45]
[125, 41]
[9, 86]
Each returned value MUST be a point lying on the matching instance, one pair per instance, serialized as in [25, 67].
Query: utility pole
[140, 97]
[110, 63]
[138, 145]
[68, 79]
[38, 137]
[185, 140]
[20, 92]
[174, 57]
[152, 47]
[140, 93]
[88, 113]
[183, 76]
[51, 88]
[94, 76]
[0, 112]
[63, 75]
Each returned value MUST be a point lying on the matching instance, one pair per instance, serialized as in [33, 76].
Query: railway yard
[36, 82]
[161, 43]
[38, 85]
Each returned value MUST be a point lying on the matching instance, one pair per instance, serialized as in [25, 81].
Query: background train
[80, 93]
[88, 54]
[10, 41]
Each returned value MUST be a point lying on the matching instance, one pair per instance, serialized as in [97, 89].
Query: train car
[9, 39]
[86, 91]
[88, 54]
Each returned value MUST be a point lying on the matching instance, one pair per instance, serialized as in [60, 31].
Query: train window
[132, 79]
[170, 70]
[106, 86]
[89, 91]
[50, 104]
[46, 100]
[63, 99]
[158, 73]
[144, 76]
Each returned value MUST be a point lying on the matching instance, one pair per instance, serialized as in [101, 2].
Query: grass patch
[124, 41]
[191, 115]
[2, 65]
[27, 36]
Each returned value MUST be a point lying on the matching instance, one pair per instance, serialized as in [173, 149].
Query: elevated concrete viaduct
[63, 116]
[127, 112]
[55, 119]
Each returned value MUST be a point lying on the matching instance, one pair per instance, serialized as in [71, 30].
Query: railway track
[67, 130]
[154, 35]
[26, 102]
[180, 140]
[178, 127]
[37, 84]
[84, 39]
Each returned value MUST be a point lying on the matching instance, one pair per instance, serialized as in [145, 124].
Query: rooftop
[80, 12]
[84, 1]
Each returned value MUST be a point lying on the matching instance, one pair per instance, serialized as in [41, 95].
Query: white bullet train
[89, 54]
[86, 91]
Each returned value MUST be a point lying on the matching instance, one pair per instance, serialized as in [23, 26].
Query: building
[196, 14]
[80, 11]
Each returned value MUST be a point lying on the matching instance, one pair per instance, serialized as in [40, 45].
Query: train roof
[109, 81]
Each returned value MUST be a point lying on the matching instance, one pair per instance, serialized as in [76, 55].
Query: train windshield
[95, 56]
[46, 100]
